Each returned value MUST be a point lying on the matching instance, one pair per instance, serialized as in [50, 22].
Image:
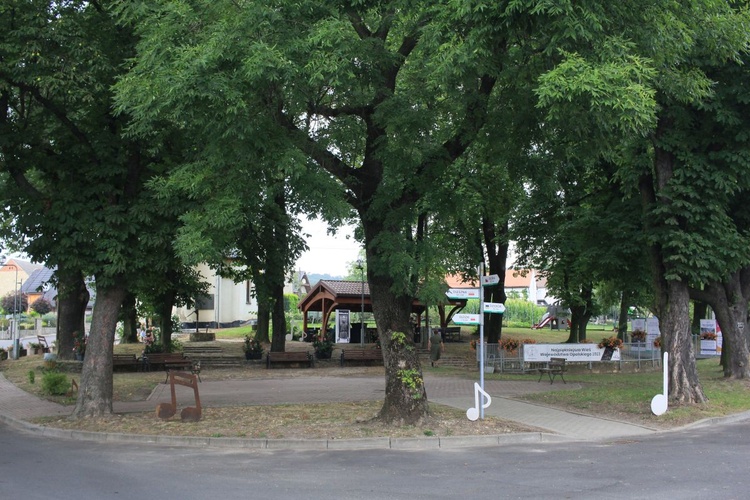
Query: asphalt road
[701, 463]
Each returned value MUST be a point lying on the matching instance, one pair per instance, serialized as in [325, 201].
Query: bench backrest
[41, 340]
[162, 356]
[293, 354]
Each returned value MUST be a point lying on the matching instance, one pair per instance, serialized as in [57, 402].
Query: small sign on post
[467, 319]
[494, 307]
[492, 279]
[462, 293]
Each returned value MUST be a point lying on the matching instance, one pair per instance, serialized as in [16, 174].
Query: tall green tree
[674, 46]
[76, 186]
[353, 88]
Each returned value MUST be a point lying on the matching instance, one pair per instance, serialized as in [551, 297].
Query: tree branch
[358, 24]
[58, 113]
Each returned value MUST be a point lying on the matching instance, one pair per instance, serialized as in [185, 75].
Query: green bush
[55, 383]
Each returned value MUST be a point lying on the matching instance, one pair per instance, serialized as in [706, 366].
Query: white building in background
[529, 285]
[226, 304]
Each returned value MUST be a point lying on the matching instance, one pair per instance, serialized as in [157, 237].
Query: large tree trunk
[278, 320]
[700, 309]
[405, 400]
[95, 390]
[729, 301]
[496, 248]
[166, 302]
[405, 396]
[671, 295]
[264, 322]
[674, 324]
[129, 320]
[72, 299]
[579, 320]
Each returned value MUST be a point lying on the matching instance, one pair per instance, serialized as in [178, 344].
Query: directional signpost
[477, 319]
[462, 293]
[494, 308]
[467, 319]
[492, 279]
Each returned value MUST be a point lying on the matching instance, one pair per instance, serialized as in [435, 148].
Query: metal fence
[5, 333]
[499, 360]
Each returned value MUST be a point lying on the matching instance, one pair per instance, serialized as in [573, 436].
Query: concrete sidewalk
[18, 405]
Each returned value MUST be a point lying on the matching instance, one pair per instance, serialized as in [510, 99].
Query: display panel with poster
[710, 338]
[342, 326]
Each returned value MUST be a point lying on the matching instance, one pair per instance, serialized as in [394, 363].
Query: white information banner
[571, 352]
[710, 338]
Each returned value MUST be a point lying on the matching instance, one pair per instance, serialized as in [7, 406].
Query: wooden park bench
[42, 341]
[212, 356]
[289, 357]
[361, 355]
[169, 361]
[555, 367]
[452, 334]
[125, 361]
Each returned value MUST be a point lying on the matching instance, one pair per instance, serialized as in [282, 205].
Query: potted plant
[609, 344]
[79, 345]
[638, 336]
[253, 348]
[35, 348]
[323, 349]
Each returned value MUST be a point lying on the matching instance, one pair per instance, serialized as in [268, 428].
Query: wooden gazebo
[330, 295]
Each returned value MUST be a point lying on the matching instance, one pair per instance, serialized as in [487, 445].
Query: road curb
[382, 443]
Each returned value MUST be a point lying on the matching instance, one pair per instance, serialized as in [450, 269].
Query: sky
[327, 254]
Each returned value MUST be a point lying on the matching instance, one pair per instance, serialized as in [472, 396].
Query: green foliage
[290, 302]
[323, 347]
[31, 376]
[252, 345]
[412, 380]
[55, 383]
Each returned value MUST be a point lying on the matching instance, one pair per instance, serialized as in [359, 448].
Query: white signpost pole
[481, 337]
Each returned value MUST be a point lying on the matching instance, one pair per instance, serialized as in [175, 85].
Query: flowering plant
[657, 342]
[79, 343]
[473, 344]
[708, 336]
[509, 344]
[638, 336]
[253, 345]
[612, 342]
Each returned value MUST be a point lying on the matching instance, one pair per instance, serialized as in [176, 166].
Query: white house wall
[230, 305]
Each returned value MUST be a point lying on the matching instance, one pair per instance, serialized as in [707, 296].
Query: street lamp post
[14, 328]
[361, 267]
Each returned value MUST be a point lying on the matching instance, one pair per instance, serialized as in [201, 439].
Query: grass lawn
[622, 395]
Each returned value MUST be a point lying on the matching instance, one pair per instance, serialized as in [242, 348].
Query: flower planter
[323, 355]
[253, 355]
